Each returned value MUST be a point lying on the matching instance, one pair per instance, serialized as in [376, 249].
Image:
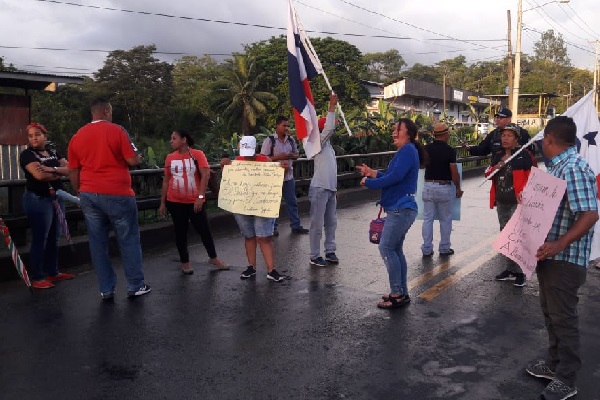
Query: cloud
[30, 23]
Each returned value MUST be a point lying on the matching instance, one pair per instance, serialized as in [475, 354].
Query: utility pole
[510, 63]
[570, 94]
[444, 86]
[517, 79]
[515, 89]
[596, 43]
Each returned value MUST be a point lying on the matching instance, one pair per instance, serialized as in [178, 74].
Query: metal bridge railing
[147, 185]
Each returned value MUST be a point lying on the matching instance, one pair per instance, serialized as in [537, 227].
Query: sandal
[187, 271]
[386, 297]
[218, 263]
[393, 302]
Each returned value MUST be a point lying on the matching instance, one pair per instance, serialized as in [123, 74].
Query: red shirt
[183, 177]
[99, 150]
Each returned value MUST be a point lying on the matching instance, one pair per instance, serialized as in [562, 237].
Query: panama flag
[302, 67]
[585, 116]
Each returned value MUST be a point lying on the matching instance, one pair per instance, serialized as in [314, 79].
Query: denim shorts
[252, 226]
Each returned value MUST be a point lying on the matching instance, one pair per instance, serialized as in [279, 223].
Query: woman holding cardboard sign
[256, 230]
[183, 194]
[507, 184]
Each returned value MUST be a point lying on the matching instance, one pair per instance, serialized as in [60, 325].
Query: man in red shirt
[100, 155]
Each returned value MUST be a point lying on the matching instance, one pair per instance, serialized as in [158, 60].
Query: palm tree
[237, 95]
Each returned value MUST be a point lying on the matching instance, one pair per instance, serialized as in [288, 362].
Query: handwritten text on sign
[527, 229]
[252, 188]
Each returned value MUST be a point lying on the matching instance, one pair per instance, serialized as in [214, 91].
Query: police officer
[492, 143]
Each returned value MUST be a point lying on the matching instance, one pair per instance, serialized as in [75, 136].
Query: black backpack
[273, 139]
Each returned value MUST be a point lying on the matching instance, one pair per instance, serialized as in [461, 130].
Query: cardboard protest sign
[527, 229]
[252, 188]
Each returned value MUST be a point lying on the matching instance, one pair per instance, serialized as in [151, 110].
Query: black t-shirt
[40, 188]
[505, 187]
[441, 155]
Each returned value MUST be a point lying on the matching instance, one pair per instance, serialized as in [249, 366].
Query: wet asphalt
[317, 335]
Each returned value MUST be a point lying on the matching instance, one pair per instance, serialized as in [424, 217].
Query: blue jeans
[45, 232]
[323, 206]
[438, 198]
[397, 224]
[288, 192]
[101, 211]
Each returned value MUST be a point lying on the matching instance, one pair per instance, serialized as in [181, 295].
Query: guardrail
[147, 185]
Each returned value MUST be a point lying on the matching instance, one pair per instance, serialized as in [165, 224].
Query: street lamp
[517, 78]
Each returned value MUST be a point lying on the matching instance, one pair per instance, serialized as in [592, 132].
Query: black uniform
[492, 143]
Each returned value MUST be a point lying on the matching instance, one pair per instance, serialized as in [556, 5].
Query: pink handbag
[376, 227]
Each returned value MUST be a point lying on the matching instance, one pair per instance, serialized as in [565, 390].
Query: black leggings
[181, 214]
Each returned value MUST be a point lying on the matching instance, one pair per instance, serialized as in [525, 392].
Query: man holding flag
[302, 66]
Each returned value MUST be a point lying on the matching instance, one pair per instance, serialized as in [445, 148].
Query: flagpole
[15, 254]
[310, 47]
[490, 176]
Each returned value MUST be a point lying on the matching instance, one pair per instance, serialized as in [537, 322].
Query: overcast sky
[476, 29]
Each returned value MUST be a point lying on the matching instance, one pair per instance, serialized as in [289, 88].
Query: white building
[409, 94]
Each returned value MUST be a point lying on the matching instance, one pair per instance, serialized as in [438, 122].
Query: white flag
[585, 116]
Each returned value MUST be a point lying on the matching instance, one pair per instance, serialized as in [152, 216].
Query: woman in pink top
[184, 195]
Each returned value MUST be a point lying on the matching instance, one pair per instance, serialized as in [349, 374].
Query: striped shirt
[580, 196]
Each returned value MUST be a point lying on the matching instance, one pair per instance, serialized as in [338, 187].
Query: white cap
[247, 146]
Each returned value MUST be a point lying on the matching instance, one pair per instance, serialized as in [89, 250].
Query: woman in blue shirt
[398, 186]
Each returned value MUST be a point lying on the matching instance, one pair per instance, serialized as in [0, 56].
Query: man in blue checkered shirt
[563, 259]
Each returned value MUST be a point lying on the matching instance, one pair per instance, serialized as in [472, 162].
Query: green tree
[343, 63]
[140, 88]
[5, 67]
[237, 94]
[425, 73]
[551, 48]
[547, 71]
[487, 77]
[384, 66]
[62, 112]
[193, 78]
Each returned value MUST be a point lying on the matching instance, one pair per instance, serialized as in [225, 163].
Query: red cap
[322, 123]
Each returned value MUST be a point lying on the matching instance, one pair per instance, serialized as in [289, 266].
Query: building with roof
[15, 114]
[407, 94]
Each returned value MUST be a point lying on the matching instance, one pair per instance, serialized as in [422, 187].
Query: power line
[540, 10]
[456, 49]
[107, 51]
[567, 42]
[410, 25]
[45, 66]
[83, 50]
[574, 22]
[556, 25]
[475, 40]
[218, 21]
[585, 23]
[395, 36]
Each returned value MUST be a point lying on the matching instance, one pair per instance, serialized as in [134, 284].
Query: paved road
[315, 336]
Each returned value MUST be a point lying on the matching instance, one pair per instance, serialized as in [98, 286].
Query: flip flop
[221, 267]
[393, 302]
[187, 272]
